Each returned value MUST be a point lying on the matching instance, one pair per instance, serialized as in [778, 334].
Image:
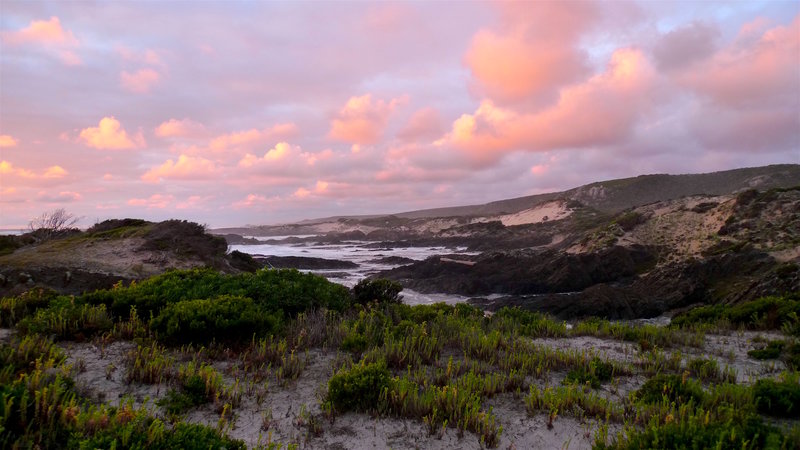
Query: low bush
[772, 350]
[225, 318]
[380, 290]
[286, 289]
[792, 356]
[115, 228]
[137, 430]
[185, 238]
[24, 354]
[360, 388]
[670, 388]
[243, 261]
[14, 309]
[594, 373]
[191, 394]
[767, 313]
[708, 369]
[528, 323]
[778, 398]
[68, 320]
[8, 244]
[696, 432]
[354, 343]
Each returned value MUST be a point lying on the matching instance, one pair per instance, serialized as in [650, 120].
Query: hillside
[609, 197]
[641, 262]
[129, 249]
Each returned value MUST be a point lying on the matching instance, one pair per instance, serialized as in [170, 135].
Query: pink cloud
[600, 111]
[41, 31]
[539, 169]
[254, 200]
[61, 197]
[185, 168]
[286, 160]
[362, 120]
[253, 136]
[141, 81]
[180, 128]
[194, 202]
[532, 53]
[157, 201]
[49, 34]
[282, 150]
[754, 70]
[320, 188]
[52, 172]
[109, 135]
[6, 168]
[424, 124]
[7, 141]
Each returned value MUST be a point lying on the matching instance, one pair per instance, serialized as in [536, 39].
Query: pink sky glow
[233, 113]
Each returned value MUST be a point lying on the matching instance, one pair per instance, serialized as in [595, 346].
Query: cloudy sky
[262, 112]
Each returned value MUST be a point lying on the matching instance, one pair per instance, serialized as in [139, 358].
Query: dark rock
[521, 272]
[304, 263]
[235, 239]
[393, 260]
[335, 238]
[727, 278]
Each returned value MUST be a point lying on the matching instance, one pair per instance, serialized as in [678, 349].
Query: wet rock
[304, 263]
[235, 239]
[393, 260]
[522, 272]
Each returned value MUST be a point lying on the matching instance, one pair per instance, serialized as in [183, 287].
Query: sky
[233, 113]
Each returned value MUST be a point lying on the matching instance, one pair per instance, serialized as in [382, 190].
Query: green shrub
[14, 309]
[360, 388]
[355, 343]
[629, 220]
[8, 244]
[771, 313]
[528, 323]
[778, 398]
[243, 261]
[707, 369]
[421, 313]
[380, 290]
[594, 373]
[192, 393]
[771, 351]
[143, 431]
[695, 432]
[670, 388]
[792, 357]
[225, 318]
[22, 355]
[185, 239]
[194, 436]
[66, 319]
[286, 289]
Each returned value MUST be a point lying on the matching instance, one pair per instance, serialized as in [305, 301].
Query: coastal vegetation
[223, 343]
